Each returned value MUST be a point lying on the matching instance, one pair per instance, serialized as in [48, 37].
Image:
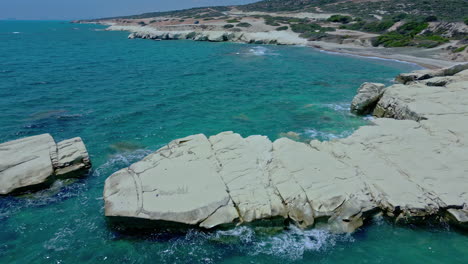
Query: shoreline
[268, 37]
[374, 57]
[425, 63]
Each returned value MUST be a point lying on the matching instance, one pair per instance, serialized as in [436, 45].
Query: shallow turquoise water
[126, 98]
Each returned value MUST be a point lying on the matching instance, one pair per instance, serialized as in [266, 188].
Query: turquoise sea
[126, 98]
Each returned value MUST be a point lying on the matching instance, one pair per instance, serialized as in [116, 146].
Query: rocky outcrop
[33, 162]
[406, 78]
[411, 170]
[367, 97]
[430, 96]
[199, 34]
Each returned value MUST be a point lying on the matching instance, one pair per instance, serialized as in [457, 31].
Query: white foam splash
[15, 32]
[315, 134]
[245, 234]
[290, 244]
[341, 107]
[61, 240]
[261, 51]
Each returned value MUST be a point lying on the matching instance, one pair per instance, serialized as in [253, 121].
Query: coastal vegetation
[447, 10]
[340, 19]
[444, 10]
[460, 49]
[398, 23]
[244, 24]
[410, 34]
[369, 26]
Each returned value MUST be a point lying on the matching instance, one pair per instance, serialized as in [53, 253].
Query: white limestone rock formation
[406, 78]
[32, 162]
[220, 35]
[410, 170]
[367, 97]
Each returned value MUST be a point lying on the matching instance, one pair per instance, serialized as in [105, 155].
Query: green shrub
[271, 22]
[191, 35]
[378, 27]
[431, 19]
[399, 17]
[244, 24]
[412, 28]
[295, 20]
[466, 20]
[460, 49]
[314, 36]
[395, 39]
[282, 28]
[434, 38]
[392, 39]
[302, 28]
[232, 21]
[228, 26]
[340, 19]
[429, 41]
[374, 27]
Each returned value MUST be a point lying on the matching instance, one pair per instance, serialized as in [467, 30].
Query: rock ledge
[412, 170]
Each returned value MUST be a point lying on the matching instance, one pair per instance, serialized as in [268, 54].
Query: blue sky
[82, 9]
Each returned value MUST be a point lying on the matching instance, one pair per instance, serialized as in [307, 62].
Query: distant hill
[446, 10]
[200, 12]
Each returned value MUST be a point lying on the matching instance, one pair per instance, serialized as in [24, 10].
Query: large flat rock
[411, 169]
[31, 162]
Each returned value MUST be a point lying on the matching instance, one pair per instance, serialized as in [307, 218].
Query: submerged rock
[32, 162]
[411, 170]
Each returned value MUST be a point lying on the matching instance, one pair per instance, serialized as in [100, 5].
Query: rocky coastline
[410, 165]
[346, 42]
[274, 38]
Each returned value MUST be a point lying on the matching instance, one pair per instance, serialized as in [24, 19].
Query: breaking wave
[288, 244]
[261, 51]
[321, 135]
[340, 107]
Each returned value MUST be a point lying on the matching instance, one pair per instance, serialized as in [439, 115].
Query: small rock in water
[33, 162]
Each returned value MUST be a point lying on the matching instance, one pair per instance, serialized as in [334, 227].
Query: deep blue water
[126, 98]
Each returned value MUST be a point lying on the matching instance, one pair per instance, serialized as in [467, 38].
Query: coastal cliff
[279, 37]
[412, 169]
